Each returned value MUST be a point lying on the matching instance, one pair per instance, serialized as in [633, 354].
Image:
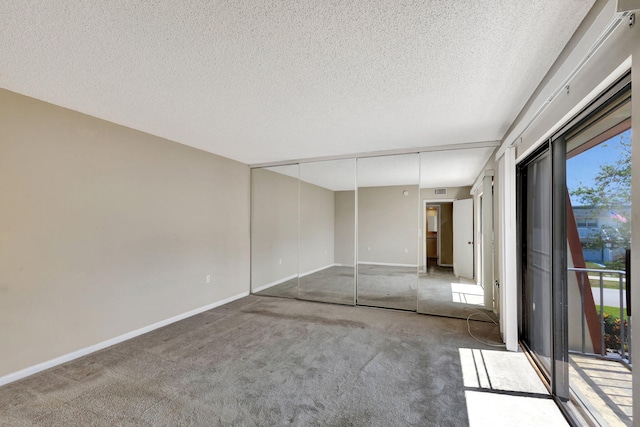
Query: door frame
[423, 224]
[484, 217]
[424, 240]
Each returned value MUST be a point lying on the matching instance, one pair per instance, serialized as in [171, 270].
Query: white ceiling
[456, 168]
[267, 81]
[336, 175]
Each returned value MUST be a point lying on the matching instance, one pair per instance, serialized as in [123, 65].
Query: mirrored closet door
[274, 231]
[388, 231]
[385, 231]
[327, 231]
[451, 242]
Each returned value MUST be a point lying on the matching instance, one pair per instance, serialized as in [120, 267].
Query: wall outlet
[369, 248]
[406, 251]
[280, 261]
[207, 278]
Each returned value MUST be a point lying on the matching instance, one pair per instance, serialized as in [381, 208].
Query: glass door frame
[556, 147]
[558, 373]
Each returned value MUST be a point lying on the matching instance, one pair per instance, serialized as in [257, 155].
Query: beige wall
[105, 230]
[317, 213]
[274, 227]
[277, 239]
[345, 205]
[388, 225]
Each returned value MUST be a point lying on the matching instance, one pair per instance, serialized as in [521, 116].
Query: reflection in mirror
[274, 231]
[327, 231]
[387, 231]
[445, 212]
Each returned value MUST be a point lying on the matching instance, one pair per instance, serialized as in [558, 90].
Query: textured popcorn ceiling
[262, 81]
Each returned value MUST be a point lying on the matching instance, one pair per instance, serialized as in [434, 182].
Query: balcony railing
[623, 351]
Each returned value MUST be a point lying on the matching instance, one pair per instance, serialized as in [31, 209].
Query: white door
[463, 238]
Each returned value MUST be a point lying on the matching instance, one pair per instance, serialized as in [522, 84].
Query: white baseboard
[277, 282]
[388, 264]
[293, 276]
[15, 376]
[317, 270]
[307, 273]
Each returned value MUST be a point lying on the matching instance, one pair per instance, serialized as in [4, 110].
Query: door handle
[471, 243]
[627, 279]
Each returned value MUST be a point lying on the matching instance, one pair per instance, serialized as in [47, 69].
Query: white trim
[500, 245]
[293, 276]
[477, 218]
[15, 376]
[395, 152]
[486, 219]
[388, 264]
[317, 269]
[479, 180]
[424, 238]
[427, 202]
[635, 200]
[355, 233]
[343, 265]
[508, 275]
[277, 282]
[564, 71]
[622, 69]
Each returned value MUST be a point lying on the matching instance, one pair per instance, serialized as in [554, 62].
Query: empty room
[319, 213]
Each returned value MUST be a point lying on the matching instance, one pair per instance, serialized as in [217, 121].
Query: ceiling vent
[440, 191]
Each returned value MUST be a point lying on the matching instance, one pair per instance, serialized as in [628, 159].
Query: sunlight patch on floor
[467, 294]
[502, 389]
[604, 387]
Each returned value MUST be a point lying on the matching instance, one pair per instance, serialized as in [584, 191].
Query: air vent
[440, 191]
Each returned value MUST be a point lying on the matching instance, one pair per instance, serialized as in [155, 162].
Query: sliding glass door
[535, 179]
[574, 234]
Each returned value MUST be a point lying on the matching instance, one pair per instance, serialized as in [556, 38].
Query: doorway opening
[432, 237]
[442, 289]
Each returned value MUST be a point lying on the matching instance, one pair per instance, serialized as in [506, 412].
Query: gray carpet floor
[389, 287]
[273, 361]
[441, 293]
[333, 285]
[437, 291]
